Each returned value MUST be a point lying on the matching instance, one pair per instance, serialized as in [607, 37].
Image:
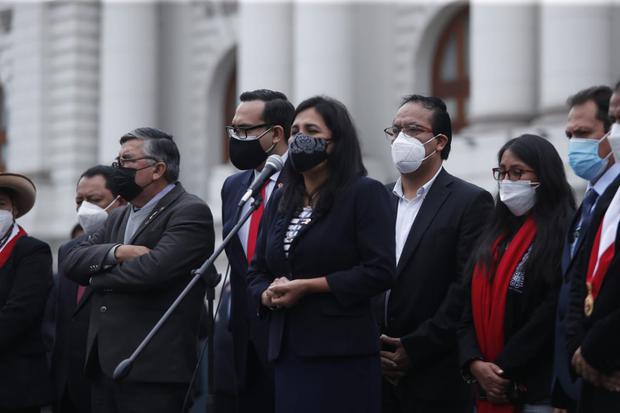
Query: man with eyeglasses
[591, 158]
[136, 265]
[260, 127]
[438, 219]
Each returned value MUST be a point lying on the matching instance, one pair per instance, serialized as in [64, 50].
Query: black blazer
[69, 352]
[426, 302]
[244, 324]
[25, 281]
[130, 297]
[599, 334]
[527, 356]
[565, 387]
[353, 246]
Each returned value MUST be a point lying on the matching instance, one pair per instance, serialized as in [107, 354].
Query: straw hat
[23, 191]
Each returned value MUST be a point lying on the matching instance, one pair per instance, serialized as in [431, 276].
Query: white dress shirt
[604, 181]
[405, 216]
[408, 211]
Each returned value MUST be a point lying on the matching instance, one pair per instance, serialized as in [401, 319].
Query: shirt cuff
[110, 259]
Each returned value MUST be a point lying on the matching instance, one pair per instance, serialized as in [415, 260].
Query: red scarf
[8, 248]
[602, 253]
[595, 278]
[488, 298]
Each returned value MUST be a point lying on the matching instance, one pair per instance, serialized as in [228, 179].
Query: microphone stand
[211, 278]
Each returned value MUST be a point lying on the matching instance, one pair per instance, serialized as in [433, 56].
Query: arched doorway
[450, 68]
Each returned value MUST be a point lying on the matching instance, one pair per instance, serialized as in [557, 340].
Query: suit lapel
[566, 258]
[119, 232]
[159, 208]
[435, 198]
[233, 210]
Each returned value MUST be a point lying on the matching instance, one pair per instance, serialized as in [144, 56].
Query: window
[451, 68]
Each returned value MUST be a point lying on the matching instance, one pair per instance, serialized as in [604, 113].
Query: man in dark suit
[592, 319]
[261, 126]
[136, 266]
[588, 122]
[95, 197]
[438, 219]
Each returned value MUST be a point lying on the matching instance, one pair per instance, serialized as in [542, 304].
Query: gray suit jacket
[130, 297]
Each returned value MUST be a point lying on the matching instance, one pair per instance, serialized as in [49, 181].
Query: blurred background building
[74, 76]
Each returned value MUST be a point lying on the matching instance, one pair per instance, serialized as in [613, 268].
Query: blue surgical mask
[583, 158]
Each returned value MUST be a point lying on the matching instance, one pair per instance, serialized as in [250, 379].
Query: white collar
[398, 187]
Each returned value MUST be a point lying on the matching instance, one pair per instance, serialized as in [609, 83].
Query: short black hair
[278, 110]
[161, 146]
[107, 172]
[600, 95]
[440, 122]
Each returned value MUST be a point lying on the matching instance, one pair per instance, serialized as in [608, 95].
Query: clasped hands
[491, 379]
[284, 293]
[589, 373]
[394, 364]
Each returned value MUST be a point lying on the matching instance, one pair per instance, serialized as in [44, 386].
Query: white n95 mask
[92, 217]
[408, 153]
[614, 141]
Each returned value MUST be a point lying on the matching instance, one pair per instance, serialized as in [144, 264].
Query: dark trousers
[71, 404]
[24, 410]
[225, 403]
[259, 393]
[598, 400]
[109, 396]
[398, 399]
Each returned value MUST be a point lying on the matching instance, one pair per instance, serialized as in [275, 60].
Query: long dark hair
[552, 212]
[344, 162]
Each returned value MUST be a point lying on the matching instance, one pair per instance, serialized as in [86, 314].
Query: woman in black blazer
[325, 248]
[506, 343]
[25, 281]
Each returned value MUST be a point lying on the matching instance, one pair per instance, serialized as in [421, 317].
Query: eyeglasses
[241, 132]
[514, 174]
[392, 132]
[121, 162]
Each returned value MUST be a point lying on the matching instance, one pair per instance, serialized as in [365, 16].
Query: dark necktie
[584, 220]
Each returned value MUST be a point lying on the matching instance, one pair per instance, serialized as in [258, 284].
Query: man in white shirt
[438, 219]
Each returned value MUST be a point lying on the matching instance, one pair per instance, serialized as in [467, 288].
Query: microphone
[273, 164]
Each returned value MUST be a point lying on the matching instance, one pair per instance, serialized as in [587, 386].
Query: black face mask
[305, 152]
[247, 154]
[124, 179]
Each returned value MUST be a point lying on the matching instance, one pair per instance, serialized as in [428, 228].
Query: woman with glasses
[506, 342]
[326, 247]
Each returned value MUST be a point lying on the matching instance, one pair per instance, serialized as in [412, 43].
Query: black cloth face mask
[305, 152]
[247, 154]
[125, 181]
